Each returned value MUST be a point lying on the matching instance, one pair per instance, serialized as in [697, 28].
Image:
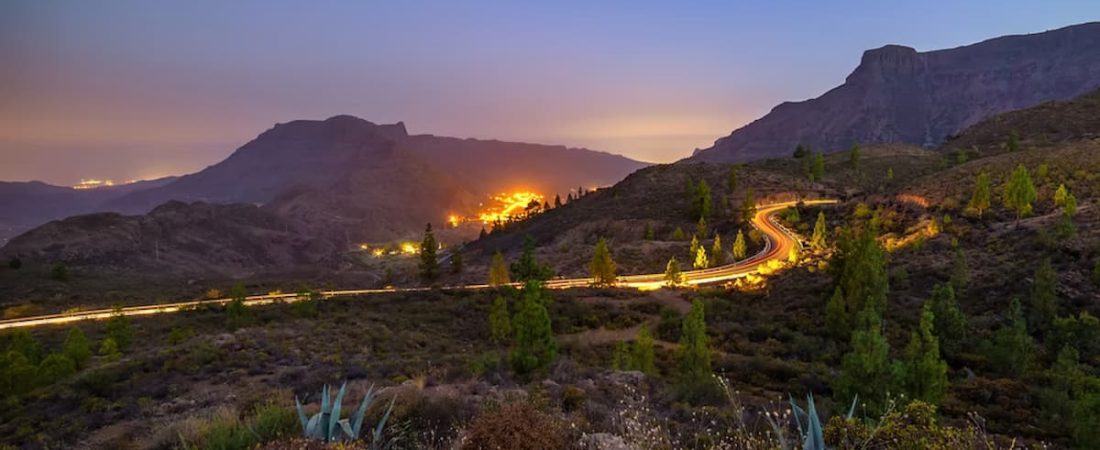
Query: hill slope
[899, 95]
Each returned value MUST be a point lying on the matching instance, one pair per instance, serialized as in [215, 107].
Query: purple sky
[123, 90]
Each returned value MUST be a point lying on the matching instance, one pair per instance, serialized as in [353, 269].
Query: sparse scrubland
[948, 301]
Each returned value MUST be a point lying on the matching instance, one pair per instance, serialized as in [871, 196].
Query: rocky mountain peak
[886, 63]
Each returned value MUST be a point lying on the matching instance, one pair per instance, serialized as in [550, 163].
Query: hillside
[899, 95]
[1045, 125]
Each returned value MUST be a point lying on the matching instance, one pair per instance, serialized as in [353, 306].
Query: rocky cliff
[899, 95]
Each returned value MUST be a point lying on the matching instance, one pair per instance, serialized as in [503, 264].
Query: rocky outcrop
[899, 95]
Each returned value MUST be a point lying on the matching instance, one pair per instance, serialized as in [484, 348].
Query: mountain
[175, 237]
[1046, 124]
[899, 95]
[26, 204]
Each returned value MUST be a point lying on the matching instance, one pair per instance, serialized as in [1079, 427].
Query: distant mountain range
[899, 95]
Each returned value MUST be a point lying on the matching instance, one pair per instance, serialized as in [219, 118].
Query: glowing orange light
[93, 183]
[409, 248]
[509, 206]
[454, 220]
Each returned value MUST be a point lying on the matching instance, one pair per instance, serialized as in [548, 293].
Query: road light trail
[778, 243]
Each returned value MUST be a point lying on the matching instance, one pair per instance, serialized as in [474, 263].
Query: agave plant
[327, 425]
[809, 423]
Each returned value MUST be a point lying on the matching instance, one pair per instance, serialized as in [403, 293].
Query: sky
[141, 89]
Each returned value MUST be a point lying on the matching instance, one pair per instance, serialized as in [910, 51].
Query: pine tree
[731, 180]
[960, 271]
[866, 371]
[949, 323]
[620, 356]
[817, 241]
[718, 254]
[1044, 298]
[701, 201]
[498, 271]
[1060, 195]
[678, 234]
[818, 171]
[925, 370]
[535, 348]
[800, 151]
[673, 275]
[54, 368]
[748, 205]
[1070, 208]
[1019, 192]
[740, 250]
[527, 267]
[602, 267]
[119, 330]
[980, 200]
[456, 261]
[1012, 347]
[1013, 143]
[837, 320]
[889, 174]
[642, 357]
[701, 228]
[109, 349]
[694, 354]
[23, 343]
[853, 157]
[701, 258]
[500, 323]
[483, 234]
[17, 373]
[648, 233]
[429, 263]
[76, 347]
[862, 273]
[694, 247]
[557, 200]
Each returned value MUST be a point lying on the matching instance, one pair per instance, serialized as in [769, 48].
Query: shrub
[515, 426]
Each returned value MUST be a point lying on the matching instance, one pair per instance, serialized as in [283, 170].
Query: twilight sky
[140, 89]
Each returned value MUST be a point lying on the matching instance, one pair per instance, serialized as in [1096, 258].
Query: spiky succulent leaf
[815, 434]
[326, 412]
[334, 419]
[313, 427]
[357, 418]
[376, 438]
[301, 414]
[799, 416]
[852, 409]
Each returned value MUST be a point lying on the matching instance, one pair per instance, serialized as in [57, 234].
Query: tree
[853, 157]
[59, 272]
[960, 271]
[836, 315]
[980, 200]
[483, 234]
[23, 343]
[237, 314]
[694, 354]
[1044, 298]
[862, 274]
[800, 151]
[76, 347]
[817, 240]
[498, 271]
[1070, 208]
[740, 250]
[731, 180]
[648, 233]
[1060, 195]
[500, 324]
[748, 205]
[949, 322]
[695, 246]
[1013, 143]
[527, 267]
[866, 371]
[673, 275]
[1011, 351]
[535, 348]
[620, 356]
[701, 228]
[55, 367]
[119, 329]
[818, 171]
[678, 234]
[642, 357]
[701, 201]
[889, 174]
[17, 373]
[1019, 192]
[557, 200]
[109, 350]
[925, 370]
[602, 267]
[429, 263]
[718, 254]
[701, 258]
[456, 261]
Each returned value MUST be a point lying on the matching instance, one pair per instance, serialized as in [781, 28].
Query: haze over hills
[899, 95]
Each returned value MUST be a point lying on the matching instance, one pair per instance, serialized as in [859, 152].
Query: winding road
[778, 244]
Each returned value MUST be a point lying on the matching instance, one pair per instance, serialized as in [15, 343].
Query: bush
[516, 426]
[59, 272]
